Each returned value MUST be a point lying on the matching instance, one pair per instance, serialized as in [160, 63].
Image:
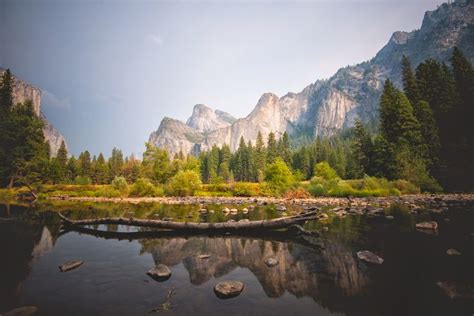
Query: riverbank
[411, 201]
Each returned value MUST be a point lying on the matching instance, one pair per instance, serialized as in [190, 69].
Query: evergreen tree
[6, 92]
[410, 85]
[85, 164]
[101, 170]
[115, 163]
[272, 148]
[361, 150]
[260, 157]
[284, 148]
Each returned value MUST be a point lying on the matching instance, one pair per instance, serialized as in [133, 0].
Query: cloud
[51, 100]
[154, 38]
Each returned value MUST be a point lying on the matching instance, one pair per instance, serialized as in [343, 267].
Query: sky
[111, 70]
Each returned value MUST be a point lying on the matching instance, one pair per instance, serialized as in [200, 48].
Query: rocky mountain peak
[205, 119]
[23, 91]
[328, 106]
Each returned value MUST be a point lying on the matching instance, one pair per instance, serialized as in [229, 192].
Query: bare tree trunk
[11, 182]
[270, 224]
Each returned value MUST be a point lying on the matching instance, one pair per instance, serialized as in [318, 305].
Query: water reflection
[319, 272]
[302, 270]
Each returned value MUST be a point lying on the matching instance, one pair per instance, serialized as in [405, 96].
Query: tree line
[424, 135]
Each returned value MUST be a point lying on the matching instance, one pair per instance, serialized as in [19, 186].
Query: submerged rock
[245, 210]
[70, 265]
[369, 256]
[204, 256]
[160, 273]
[228, 289]
[453, 252]
[390, 217]
[456, 290]
[271, 262]
[281, 208]
[427, 225]
[233, 211]
[22, 311]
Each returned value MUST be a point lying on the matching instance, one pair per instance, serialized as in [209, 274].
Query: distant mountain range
[327, 106]
[23, 91]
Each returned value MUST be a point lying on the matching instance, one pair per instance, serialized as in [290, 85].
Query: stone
[456, 290]
[204, 256]
[226, 211]
[22, 311]
[233, 211]
[389, 217]
[160, 273]
[427, 225]
[323, 216]
[369, 256]
[281, 208]
[203, 211]
[228, 289]
[453, 252]
[245, 210]
[70, 265]
[271, 262]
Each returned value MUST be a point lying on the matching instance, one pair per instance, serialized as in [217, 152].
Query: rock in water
[427, 225]
[22, 311]
[160, 273]
[70, 265]
[456, 290]
[206, 256]
[271, 262]
[370, 257]
[228, 289]
[281, 208]
[453, 252]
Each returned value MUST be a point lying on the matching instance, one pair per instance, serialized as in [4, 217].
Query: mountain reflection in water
[314, 275]
[302, 271]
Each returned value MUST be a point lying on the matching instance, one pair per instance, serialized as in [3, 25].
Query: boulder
[427, 225]
[453, 252]
[281, 208]
[70, 265]
[245, 210]
[228, 289]
[233, 211]
[369, 256]
[204, 256]
[271, 262]
[160, 273]
[22, 311]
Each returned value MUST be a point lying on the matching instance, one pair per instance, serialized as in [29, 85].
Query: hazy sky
[110, 72]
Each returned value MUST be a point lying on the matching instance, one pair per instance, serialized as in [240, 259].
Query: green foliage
[144, 187]
[80, 180]
[120, 184]
[184, 183]
[279, 176]
[323, 170]
[246, 189]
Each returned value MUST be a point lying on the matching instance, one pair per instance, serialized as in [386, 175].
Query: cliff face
[328, 106]
[23, 91]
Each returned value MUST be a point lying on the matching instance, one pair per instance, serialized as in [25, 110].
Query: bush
[279, 176]
[119, 184]
[299, 193]
[245, 189]
[144, 187]
[184, 183]
[324, 170]
[82, 180]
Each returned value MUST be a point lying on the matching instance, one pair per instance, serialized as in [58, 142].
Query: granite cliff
[328, 106]
[23, 91]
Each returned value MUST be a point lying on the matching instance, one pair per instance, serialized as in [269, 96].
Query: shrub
[279, 176]
[82, 180]
[184, 183]
[406, 187]
[246, 189]
[144, 187]
[324, 170]
[119, 184]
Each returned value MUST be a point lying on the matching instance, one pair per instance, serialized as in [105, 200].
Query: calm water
[317, 276]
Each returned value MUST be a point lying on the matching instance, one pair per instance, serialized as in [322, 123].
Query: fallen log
[270, 224]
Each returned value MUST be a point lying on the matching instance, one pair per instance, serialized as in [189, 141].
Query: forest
[423, 143]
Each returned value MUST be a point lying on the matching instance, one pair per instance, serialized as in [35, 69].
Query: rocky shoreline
[434, 201]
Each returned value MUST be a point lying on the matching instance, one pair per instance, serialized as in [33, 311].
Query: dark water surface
[317, 276]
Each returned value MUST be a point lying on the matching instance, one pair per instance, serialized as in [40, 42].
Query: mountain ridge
[353, 92]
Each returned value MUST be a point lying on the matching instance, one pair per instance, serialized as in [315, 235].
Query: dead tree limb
[270, 224]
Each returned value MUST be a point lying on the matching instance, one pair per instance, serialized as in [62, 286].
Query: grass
[368, 186]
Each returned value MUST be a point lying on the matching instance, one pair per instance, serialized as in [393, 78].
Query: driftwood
[271, 224]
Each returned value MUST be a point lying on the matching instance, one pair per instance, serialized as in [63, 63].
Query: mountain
[23, 91]
[328, 106]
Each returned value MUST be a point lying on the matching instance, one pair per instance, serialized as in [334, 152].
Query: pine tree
[260, 157]
[272, 149]
[284, 148]
[361, 150]
[6, 92]
[410, 85]
[115, 163]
